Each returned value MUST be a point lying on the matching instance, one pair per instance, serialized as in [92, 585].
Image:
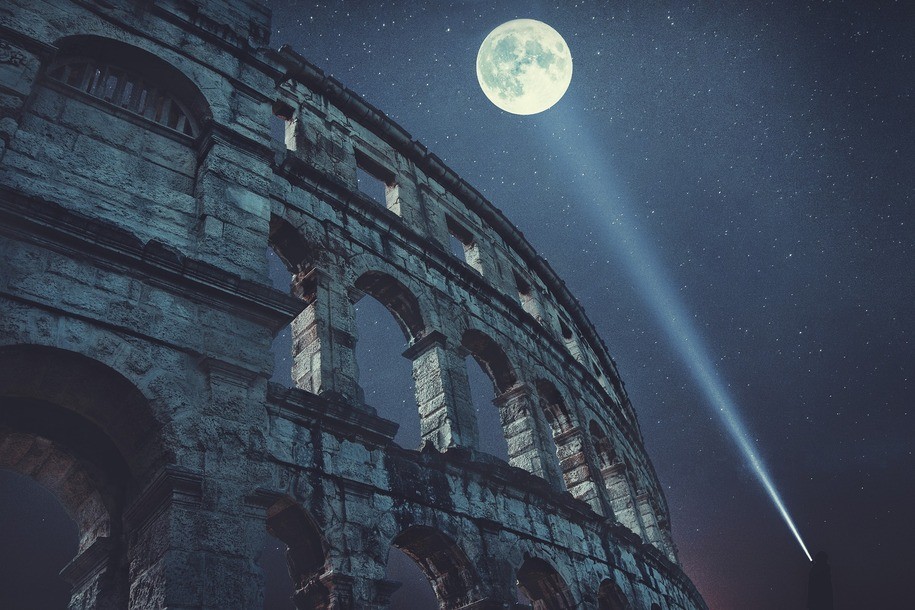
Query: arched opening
[305, 555]
[281, 347]
[132, 79]
[606, 456]
[86, 482]
[85, 433]
[387, 318]
[610, 597]
[290, 267]
[489, 374]
[489, 423]
[39, 540]
[397, 299]
[544, 586]
[413, 588]
[442, 562]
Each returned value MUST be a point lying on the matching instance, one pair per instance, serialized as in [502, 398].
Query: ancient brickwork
[140, 189]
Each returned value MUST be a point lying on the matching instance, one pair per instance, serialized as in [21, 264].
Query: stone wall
[140, 188]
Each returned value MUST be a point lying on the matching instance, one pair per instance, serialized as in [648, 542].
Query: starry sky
[755, 156]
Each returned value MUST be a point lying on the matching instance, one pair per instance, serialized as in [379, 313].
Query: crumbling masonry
[140, 188]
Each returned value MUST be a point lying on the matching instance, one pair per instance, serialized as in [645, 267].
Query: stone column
[622, 500]
[447, 418]
[649, 518]
[657, 528]
[323, 339]
[340, 590]
[187, 547]
[193, 537]
[525, 434]
[576, 470]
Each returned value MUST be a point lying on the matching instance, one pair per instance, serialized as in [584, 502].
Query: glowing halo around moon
[524, 66]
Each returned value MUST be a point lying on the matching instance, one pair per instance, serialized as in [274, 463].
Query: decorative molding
[89, 563]
[228, 372]
[172, 486]
[424, 344]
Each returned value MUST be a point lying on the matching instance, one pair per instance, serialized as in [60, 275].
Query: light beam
[608, 209]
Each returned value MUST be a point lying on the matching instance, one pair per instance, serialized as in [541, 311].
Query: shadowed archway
[610, 597]
[544, 586]
[444, 563]
[396, 298]
[305, 553]
[70, 423]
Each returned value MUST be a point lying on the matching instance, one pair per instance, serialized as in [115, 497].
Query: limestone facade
[140, 188]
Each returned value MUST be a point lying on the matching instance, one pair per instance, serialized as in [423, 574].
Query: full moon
[524, 66]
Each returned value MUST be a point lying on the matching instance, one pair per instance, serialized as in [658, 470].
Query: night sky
[756, 157]
[744, 171]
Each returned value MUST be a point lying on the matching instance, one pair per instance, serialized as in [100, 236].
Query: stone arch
[544, 586]
[90, 389]
[491, 358]
[290, 246]
[495, 425]
[611, 597]
[70, 458]
[131, 78]
[86, 433]
[396, 298]
[306, 552]
[557, 413]
[445, 564]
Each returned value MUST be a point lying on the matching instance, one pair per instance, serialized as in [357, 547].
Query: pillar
[525, 434]
[622, 499]
[576, 469]
[323, 338]
[447, 418]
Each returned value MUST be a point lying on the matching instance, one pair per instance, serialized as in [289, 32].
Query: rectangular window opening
[282, 124]
[463, 245]
[527, 296]
[376, 181]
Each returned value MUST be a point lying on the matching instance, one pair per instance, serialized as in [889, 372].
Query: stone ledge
[330, 413]
[102, 241]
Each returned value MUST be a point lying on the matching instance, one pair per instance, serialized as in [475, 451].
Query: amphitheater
[141, 187]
